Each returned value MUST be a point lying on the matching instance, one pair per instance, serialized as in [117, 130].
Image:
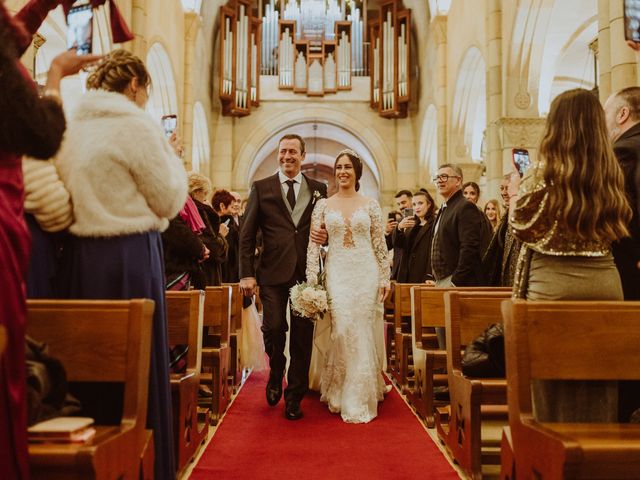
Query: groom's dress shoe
[292, 411]
[274, 390]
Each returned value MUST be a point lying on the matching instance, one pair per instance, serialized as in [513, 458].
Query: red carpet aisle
[256, 442]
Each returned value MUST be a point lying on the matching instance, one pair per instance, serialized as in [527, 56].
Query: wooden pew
[185, 317]
[402, 315]
[235, 332]
[215, 351]
[389, 328]
[427, 312]
[507, 459]
[571, 341]
[472, 400]
[97, 341]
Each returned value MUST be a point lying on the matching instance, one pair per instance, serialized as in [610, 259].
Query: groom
[280, 207]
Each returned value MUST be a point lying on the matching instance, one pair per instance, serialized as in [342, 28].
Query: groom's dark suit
[285, 237]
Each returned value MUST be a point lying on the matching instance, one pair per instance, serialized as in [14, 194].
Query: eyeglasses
[444, 177]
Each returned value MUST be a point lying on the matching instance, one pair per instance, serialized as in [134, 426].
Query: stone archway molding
[263, 138]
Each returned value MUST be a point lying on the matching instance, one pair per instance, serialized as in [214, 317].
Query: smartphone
[226, 222]
[520, 160]
[392, 216]
[632, 20]
[80, 29]
[169, 124]
[407, 212]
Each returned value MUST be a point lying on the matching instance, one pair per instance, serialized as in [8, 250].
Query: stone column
[192, 24]
[618, 66]
[519, 132]
[493, 145]
[471, 171]
[439, 24]
[139, 28]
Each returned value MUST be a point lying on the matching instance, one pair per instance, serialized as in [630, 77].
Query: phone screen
[632, 20]
[392, 216]
[169, 124]
[521, 160]
[407, 212]
[80, 29]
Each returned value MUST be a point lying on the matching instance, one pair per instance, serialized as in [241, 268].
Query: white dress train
[357, 265]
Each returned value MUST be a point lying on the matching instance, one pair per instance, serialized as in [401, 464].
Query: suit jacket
[397, 255]
[415, 245]
[285, 232]
[627, 251]
[458, 239]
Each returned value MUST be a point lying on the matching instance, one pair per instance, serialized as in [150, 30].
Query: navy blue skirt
[126, 267]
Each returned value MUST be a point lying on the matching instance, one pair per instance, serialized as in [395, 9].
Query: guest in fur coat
[126, 182]
[214, 233]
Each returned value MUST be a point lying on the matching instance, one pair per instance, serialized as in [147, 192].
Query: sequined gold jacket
[540, 229]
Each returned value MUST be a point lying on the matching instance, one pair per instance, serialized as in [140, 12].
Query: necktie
[291, 194]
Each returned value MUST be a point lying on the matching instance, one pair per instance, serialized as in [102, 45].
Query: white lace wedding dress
[356, 266]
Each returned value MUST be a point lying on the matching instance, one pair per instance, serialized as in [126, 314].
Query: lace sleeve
[313, 250]
[379, 243]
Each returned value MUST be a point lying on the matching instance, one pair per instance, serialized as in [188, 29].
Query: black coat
[415, 245]
[216, 243]
[284, 253]
[459, 238]
[182, 251]
[627, 251]
[230, 268]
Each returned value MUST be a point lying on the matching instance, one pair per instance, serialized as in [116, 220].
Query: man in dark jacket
[456, 245]
[622, 111]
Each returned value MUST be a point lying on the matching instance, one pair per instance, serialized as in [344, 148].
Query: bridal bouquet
[309, 301]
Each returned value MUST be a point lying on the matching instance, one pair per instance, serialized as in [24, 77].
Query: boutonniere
[316, 196]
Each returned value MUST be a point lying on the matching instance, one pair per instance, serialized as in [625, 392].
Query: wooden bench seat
[98, 341]
[472, 400]
[566, 340]
[235, 337]
[215, 351]
[402, 337]
[185, 312]
[427, 312]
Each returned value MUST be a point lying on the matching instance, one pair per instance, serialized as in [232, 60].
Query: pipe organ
[240, 38]
[315, 47]
[390, 52]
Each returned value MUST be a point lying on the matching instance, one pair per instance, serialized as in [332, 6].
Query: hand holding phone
[520, 158]
[169, 124]
[80, 29]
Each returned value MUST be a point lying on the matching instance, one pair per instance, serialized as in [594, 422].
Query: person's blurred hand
[390, 227]
[69, 63]
[319, 235]
[407, 222]
[634, 45]
[176, 143]
[514, 184]
[224, 230]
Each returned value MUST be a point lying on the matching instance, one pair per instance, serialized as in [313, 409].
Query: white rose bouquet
[309, 300]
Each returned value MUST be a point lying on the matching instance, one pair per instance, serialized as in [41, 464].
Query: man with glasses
[455, 250]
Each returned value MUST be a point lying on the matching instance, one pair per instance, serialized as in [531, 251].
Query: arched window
[163, 99]
[200, 140]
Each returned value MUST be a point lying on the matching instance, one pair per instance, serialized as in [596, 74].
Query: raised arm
[313, 249]
[379, 244]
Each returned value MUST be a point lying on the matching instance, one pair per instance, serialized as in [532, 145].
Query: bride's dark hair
[355, 161]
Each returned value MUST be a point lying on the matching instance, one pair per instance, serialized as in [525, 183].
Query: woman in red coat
[33, 126]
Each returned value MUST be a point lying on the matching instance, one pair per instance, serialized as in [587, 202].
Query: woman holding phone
[125, 182]
[567, 211]
[413, 236]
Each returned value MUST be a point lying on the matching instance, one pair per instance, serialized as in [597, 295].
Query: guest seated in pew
[413, 238]
[126, 182]
[568, 210]
[213, 236]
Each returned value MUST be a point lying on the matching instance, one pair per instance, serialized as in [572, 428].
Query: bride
[357, 282]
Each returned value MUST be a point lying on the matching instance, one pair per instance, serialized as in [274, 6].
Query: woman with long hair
[493, 213]
[413, 236]
[357, 267]
[471, 191]
[568, 210]
[126, 182]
